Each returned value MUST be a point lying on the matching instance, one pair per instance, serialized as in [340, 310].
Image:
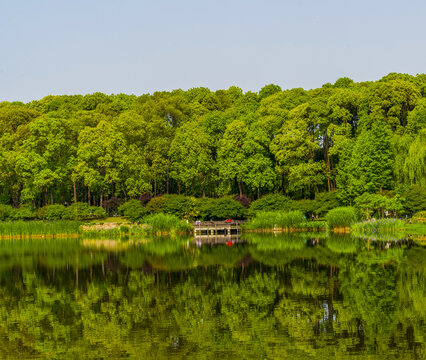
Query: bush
[243, 200]
[133, 210]
[419, 215]
[52, 212]
[180, 206]
[111, 205]
[341, 217]
[124, 229]
[25, 212]
[415, 199]
[6, 212]
[271, 202]
[219, 209]
[82, 211]
[326, 201]
[156, 205]
[307, 207]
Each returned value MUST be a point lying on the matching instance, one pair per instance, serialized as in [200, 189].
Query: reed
[341, 217]
[267, 220]
[24, 229]
[165, 223]
[377, 226]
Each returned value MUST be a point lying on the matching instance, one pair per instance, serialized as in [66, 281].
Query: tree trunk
[102, 197]
[258, 192]
[51, 196]
[88, 195]
[45, 195]
[240, 188]
[75, 191]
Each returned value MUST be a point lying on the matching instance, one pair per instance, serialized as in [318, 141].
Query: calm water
[292, 297]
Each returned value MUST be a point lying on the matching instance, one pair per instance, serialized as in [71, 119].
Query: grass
[341, 217]
[376, 226]
[268, 220]
[112, 220]
[27, 229]
[165, 223]
[416, 229]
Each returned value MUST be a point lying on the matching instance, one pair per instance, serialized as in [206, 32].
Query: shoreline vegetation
[338, 221]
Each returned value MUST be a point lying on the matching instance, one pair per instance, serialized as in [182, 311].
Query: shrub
[82, 211]
[219, 209]
[6, 212]
[326, 201]
[111, 205]
[243, 200]
[341, 217]
[25, 212]
[54, 212]
[203, 208]
[419, 215]
[156, 204]
[97, 212]
[145, 197]
[180, 206]
[415, 199]
[133, 210]
[307, 207]
[271, 202]
[124, 229]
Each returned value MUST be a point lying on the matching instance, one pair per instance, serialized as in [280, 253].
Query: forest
[346, 138]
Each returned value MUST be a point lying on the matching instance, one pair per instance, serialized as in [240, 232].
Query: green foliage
[133, 210]
[24, 212]
[181, 206]
[341, 217]
[38, 228]
[377, 204]
[54, 212]
[349, 137]
[82, 211]
[166, 223]
[420, 215]
[271, 202]
[415, 198]
[156, 204]
[377, 226]
[219, 209]
[124, 229]
[326, 201]
[6, 212]
[367, 163]
[276, 219]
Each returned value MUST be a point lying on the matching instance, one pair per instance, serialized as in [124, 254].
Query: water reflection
[266, 296]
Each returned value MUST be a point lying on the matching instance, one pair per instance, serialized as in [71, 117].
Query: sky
[51, 47]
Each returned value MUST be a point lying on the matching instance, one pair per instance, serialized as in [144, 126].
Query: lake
[260, 297]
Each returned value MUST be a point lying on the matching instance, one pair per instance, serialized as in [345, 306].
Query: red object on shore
[229, 220]
[229, 243]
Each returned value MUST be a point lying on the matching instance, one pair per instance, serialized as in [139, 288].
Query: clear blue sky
[135, 47]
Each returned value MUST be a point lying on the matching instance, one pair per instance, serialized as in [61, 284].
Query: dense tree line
[356, 138]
